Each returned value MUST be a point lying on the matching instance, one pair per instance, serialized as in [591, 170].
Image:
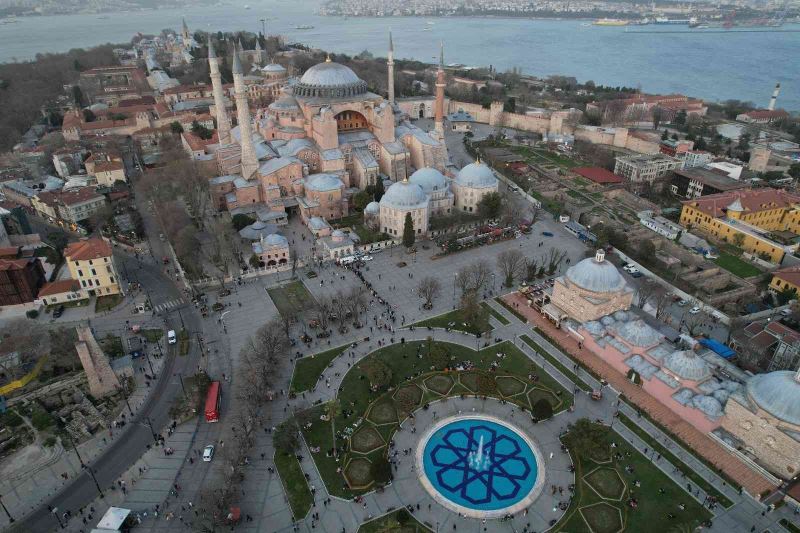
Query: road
[137, 437]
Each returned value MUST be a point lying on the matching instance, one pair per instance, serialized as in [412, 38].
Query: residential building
[80, 204]
[762, 116]
[644, 168]
[753, 219]
[697, 182]
[91, 262]
[696, 158]
[107, 168]
[767, 345]
[20, 280]
[675, 148]
[62, 291]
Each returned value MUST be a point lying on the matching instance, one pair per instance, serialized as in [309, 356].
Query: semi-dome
[337, 234]
[373, 208]
[595, 274]
[330, 80]
[323, 182]
[429, 179]
[687, 365]
[404, 195]
[275, 240]
[477, 175]
[778, 393]
[273, 67]
[284, 103]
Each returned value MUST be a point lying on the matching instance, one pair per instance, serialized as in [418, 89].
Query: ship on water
[610, 22]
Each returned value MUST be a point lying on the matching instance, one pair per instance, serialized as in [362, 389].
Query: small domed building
[437, 188]
[272, 250]
[372, 215]
[765, 417]
[402, 198]
[591, 289]
[472, 183]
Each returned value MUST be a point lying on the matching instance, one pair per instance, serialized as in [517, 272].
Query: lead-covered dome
[688, 365]
[373, 208]
[330, 80]
[778, 393]
[430, 179]
[595, 274]
[404, 195]
[273, 68]
[285, 103]
[276, 240]
[477, 175]
[323, 182]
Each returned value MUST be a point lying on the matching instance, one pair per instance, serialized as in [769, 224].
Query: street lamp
[54, 511]
[10, 518]
[85, 466]
[152, 431]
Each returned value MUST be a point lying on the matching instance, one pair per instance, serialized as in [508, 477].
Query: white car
[694, 310]
[682, 303]
[208, 453]
[631, 269]
[347, 260]
[367, 258]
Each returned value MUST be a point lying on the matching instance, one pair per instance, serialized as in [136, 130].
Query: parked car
[171, 337]
[694, 310]
[636, 274]
[58, 311]
[208, 453]
[682, 302]
[367, 258]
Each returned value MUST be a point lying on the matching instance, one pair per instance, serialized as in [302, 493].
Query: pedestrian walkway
[166, 306]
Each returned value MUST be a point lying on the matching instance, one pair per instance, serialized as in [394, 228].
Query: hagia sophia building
[327, 137]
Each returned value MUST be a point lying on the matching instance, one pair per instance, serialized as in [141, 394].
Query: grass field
[499, 317]
[400, 521]
[653, 506]
[480, 325]
[291, 299]
[736, 266]
[152, 335]
[669, 456]
[308, 369]
[107, 303]
[294, 483]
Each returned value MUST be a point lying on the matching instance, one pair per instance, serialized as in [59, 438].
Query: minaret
[390, 70]
[249, 160]
[774, 98]
[258, 53]
[223, 122]
[440, 85]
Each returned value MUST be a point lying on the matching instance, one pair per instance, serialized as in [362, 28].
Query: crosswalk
[172, 304]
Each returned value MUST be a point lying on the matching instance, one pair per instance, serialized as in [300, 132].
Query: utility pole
[10, 518]
[84, 465]
[124, 390]
[153, 431]
[180, 377]
[54, 511]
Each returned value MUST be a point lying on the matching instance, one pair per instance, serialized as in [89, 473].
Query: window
[80, 273]
[94, 272]
[112, 279]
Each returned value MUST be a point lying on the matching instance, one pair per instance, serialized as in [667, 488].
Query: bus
[212, 402]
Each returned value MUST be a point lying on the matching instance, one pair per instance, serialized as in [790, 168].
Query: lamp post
[54, 511]
[10, 518]
[85, 466]
[152, 431]
[124, 390]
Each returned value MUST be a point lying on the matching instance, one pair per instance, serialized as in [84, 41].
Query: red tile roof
[766, 113]
[14, 264]
[789, 274]
[9, 251]
[598, 175]
[753, 201]
[93, 248]
[59, 287]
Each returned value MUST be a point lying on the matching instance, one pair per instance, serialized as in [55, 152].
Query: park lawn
[499, 317]
[651, 514]
[569, 374]
[481, 324]
[736, 266]
[291, 299]
[510, 309]
[308, 369]
[152, 335]
[294, 483]
[183, 342]
[390, 523]
[557, 159]
[669, 456]
[107, 303]
[356, 397]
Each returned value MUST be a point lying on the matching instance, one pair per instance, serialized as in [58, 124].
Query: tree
[220, 251]
[786, 295]
[794, 170]
[647, 250]
[511, 264]
[542, 409]
[361, 199]
[645, 293]
[680, 118]
[176, 128]
[379, 190]
[408, 232]
[240, 221]
[510, 105]
[738, 240]
[554, 258]
[321, 312]
[285, 437]
[658, 114]
[473, 277]
[490, 205]
[428, 289]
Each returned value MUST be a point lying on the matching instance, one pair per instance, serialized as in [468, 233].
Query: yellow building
[91, 262]
[786, 278]
[751, 219]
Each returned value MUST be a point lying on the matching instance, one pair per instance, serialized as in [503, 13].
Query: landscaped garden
[736, 266]
[619, 489]
[291, 299]
[294, 483]
[460, 322]
[400, 521]
[308, 369]
[389, 384]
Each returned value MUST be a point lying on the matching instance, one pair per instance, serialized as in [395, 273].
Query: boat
[429, 22]
[304, 27]
[610, 22]
[586, 23]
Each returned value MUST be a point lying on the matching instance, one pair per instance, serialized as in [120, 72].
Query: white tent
[112, 520]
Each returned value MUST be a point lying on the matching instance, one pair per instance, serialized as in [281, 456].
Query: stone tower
[439, 105]
[101, 378]
[249, 159]
[223, 122]
[185, 32]
[390, 70]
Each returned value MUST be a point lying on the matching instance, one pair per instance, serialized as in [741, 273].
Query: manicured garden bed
[479, 325]
[107, 303]
[400, 521]
[734, 265]
[308, 369]
[294, 483]
[291, 299]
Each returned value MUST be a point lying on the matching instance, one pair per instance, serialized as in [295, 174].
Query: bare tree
[693, 322]
[473, 277]
[661, 302]
[28, 339]
[321, 312]
[511, 264]
[646, 292]
[220, 251]
[531, 269]
[554, 259]
[428, 289]
[355, 302]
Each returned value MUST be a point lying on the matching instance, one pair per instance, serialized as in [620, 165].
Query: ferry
[304, 27]
[610, 22]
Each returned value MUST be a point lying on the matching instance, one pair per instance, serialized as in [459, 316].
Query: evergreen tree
[379, 190]
[408, 232]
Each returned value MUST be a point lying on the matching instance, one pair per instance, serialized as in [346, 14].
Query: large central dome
[330, 80]
[778, 393]
[596, 275]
